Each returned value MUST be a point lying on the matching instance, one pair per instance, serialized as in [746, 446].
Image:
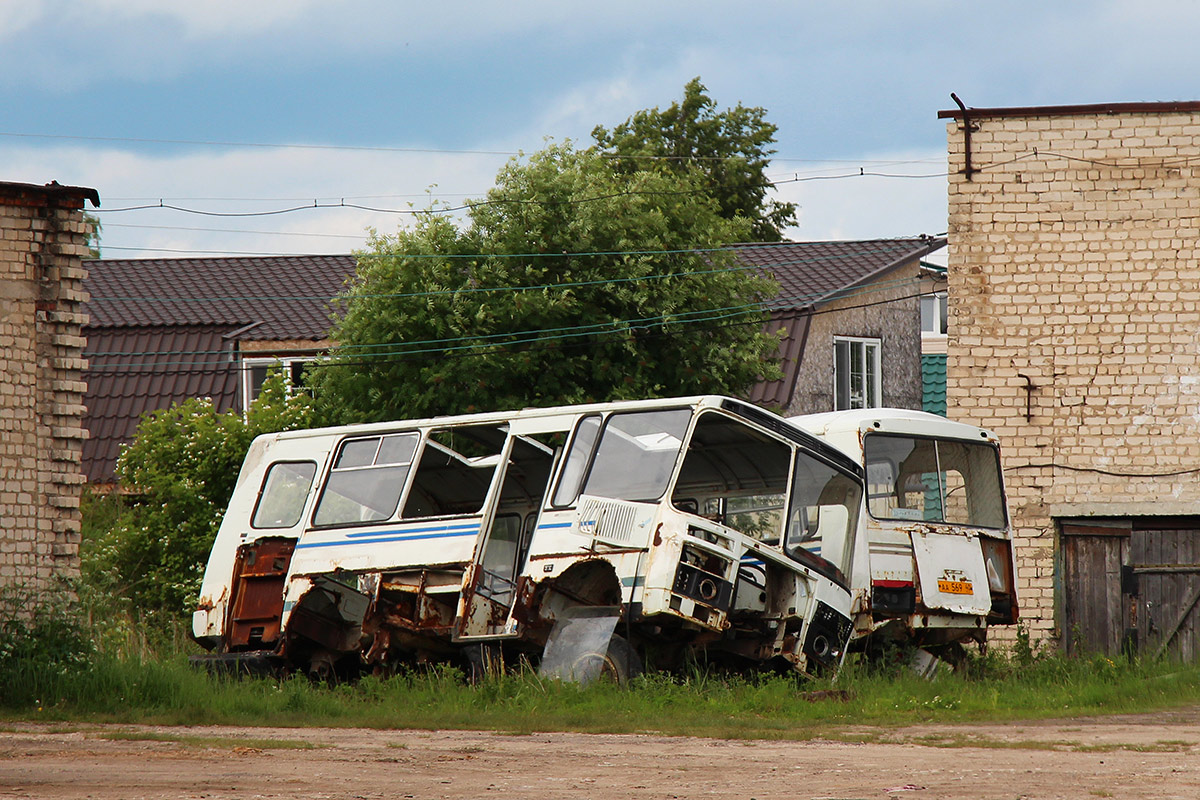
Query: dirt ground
[1154, 756]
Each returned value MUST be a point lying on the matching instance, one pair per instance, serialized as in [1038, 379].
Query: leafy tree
[574, 281]
[730, 149]
[179, 471]
[92, 237]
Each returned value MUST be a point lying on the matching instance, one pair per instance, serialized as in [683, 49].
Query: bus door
[490, 587]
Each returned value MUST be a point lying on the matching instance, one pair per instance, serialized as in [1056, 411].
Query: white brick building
[1074, 286]
[42, 242]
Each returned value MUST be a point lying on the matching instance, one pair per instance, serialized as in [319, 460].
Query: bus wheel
[619, 663]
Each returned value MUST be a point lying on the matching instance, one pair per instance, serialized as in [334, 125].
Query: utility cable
[545, 342]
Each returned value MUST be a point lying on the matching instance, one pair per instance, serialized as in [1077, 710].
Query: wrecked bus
[584, 538]
[934, 563]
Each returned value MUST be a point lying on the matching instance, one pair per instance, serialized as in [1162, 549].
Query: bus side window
[283, 493]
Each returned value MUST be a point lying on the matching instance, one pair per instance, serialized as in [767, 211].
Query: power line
[1100, 471]
[473, 342]
[108, 225]
[316, 204]
[437, 150]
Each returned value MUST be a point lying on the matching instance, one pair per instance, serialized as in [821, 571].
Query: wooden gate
[1132, 585]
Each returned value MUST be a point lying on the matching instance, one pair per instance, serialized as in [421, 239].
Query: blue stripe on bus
[469, 527]
[391, 536]
[550, 525]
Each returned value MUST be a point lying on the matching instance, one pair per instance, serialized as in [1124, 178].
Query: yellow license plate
[956, 587]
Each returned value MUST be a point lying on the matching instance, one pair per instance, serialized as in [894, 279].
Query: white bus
[584, 537]
[934, 563]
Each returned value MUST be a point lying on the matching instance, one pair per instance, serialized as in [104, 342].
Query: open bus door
[490, 585]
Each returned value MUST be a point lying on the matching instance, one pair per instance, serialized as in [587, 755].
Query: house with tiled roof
[164, 330]
[852, 313]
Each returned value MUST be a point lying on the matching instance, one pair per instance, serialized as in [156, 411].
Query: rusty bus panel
[257, 593]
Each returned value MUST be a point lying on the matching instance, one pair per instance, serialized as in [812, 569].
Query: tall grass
[51, 668]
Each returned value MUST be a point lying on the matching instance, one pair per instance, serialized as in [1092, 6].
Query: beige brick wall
[42, 241]
[1074, 260]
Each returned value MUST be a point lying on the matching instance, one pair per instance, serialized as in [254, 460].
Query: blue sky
[390, 103]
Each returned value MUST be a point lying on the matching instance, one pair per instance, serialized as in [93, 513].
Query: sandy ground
[1122, 757]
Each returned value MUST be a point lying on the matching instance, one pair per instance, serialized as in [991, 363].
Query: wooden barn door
[1095, 614]
[1132, 584]
[1165, 558]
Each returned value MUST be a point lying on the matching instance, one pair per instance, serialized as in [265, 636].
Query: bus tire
[619, 663]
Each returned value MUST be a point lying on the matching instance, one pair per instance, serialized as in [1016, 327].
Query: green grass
[169, 691]
[54, 668]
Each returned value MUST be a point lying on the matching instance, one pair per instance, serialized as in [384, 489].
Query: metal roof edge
[1160, 107]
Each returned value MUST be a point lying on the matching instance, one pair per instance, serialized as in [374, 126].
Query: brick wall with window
[878, 321]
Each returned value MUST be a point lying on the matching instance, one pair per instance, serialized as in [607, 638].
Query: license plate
[956, 587]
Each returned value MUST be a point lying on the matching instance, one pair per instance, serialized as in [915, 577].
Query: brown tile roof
[135, 370]
[283, 297]
[163, 330]
[810, 273]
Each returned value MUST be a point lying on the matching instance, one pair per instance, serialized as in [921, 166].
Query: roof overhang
[69, 196]
[1094, 109]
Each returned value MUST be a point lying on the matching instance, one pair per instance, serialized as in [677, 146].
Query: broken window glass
[577, 460]
[455, 471]
[736, 475]
[637, 454]
[933, 480]
[366, 480]
[823, 514]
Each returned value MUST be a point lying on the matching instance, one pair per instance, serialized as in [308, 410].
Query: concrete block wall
[42, 244]
[1074, 291]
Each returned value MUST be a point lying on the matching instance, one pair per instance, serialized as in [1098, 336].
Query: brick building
[1074, 294]
[42, 242]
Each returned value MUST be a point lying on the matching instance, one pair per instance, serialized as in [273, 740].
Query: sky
[234, 109]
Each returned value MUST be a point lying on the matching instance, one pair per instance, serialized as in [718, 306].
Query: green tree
[178, 475]
[92, 236]
[730, 149]
[573, 281]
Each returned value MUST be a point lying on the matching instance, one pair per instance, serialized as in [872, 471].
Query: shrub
[151, 545]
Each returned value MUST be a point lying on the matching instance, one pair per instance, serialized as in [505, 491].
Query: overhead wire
[469, 342]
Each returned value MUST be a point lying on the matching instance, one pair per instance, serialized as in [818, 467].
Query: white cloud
[209, 18]
[16, 16]
[242, 180]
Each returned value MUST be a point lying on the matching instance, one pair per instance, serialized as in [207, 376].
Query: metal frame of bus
[476, 547]
[918, 575]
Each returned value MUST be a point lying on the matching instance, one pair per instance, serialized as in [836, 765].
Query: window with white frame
[255, 371]
[857, 371]
[933, 314]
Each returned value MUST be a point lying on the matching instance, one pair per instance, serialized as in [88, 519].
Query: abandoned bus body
[934, 562]
[597, 534]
